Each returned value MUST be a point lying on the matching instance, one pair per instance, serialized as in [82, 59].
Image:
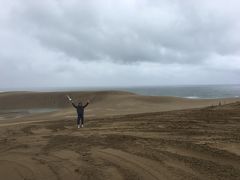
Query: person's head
[80, 103]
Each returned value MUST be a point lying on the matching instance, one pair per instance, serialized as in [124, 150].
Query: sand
[126, 136]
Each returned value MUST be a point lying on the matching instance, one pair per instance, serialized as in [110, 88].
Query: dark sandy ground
[200, 143]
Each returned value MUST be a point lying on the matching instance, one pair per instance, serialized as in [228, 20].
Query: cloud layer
[108, 42]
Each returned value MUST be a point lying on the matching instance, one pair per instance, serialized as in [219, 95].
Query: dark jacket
[80, 109]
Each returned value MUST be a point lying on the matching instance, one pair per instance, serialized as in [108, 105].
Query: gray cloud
[132, 31]
[55, 38]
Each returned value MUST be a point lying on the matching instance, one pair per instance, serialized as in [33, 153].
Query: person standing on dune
[80, 111]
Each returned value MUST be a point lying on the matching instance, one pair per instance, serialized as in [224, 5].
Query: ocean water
[190, 91]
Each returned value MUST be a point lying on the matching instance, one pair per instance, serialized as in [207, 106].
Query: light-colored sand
[118, 142]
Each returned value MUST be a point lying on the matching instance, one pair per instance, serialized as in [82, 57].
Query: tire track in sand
[144, 168]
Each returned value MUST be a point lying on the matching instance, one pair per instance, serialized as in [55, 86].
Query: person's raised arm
[74, 105]
[86, 104]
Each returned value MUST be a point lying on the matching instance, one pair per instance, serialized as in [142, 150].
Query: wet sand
[127, 137]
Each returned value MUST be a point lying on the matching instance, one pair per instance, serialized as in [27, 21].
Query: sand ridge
[22, 106]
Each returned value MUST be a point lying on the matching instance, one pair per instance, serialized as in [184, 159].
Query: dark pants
[80, 118]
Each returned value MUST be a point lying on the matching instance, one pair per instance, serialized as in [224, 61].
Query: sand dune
[128, 138]
[16, 107]
[102, 103]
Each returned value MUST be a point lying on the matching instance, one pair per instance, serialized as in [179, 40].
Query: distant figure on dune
[80, 111]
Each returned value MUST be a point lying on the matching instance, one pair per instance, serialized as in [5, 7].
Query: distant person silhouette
[80, 111]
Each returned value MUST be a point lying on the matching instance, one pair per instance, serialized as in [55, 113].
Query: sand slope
[15, 100]
[182, 144]
[16, 105]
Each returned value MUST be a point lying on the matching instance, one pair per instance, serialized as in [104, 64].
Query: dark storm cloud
[131, 31]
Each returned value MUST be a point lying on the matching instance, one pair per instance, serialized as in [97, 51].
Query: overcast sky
[79, 43]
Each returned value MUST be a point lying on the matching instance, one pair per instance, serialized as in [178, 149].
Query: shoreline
[193, 91]
[119, 90]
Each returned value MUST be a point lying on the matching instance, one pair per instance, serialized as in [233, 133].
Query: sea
[185, 91]
[190, 91]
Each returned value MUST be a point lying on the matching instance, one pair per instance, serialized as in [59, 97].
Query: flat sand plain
[126, 136]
